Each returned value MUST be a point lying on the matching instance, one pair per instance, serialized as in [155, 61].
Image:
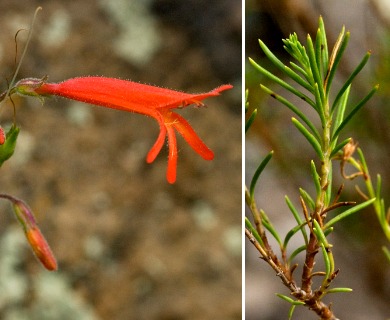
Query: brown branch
[257, 217]
[275, 265]
[311, 251]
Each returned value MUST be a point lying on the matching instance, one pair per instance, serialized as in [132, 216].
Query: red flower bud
[41, 248]
[34, 236]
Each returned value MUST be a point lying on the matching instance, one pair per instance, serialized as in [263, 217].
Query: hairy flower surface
[131, 96]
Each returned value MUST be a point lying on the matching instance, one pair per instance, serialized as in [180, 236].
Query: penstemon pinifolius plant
[312, 74]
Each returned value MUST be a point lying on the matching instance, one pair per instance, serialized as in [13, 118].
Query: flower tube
[135, 97]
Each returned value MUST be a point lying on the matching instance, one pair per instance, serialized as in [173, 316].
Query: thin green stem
[23, 54]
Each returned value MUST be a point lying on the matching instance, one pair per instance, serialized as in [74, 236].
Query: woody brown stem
[280, 272]
[311, 251]
[260, 228]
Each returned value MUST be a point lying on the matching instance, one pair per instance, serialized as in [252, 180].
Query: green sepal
[8, 148]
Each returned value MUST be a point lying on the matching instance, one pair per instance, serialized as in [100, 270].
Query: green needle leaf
[315, 67]
[320, 105]
[257, 174]
[297, 219]
[294, 109]
[296, 252]
[316, 177]
[324, 44]
[335, 57]
[282, 83]
[312, 140]
[354, 110]
[299, 69]
[336, 290]
[279, 64]
[268, 225]
[340, 146]
[306, 197]
[254, 232]
[246, 100]
[362, 160]
[290, 300]
[328, 194]
[351, 77]
[291, 312]
[249, 123]
[320, 234]
[348, 212]
[326, 261]
[387, 252]
[292, 232]
[340, 111]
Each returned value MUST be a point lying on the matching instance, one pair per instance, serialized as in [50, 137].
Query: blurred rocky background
[358, 240]
[129, 245]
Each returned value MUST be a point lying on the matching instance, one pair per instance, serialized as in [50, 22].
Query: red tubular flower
[133, 97]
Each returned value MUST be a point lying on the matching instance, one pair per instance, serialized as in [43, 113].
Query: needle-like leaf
[258, 171]
[311, 138]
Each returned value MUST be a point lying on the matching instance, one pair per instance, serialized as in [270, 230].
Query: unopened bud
[41, 248]
[34, 236]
